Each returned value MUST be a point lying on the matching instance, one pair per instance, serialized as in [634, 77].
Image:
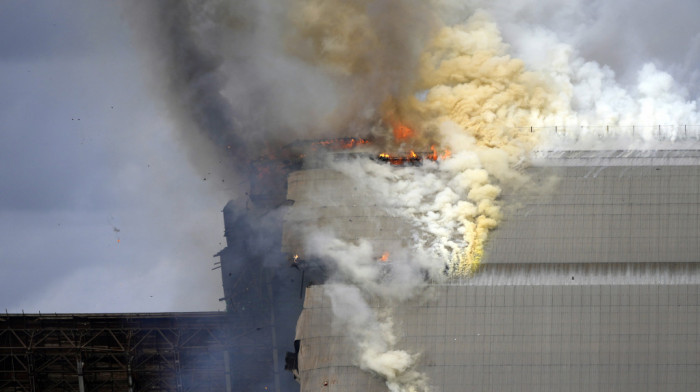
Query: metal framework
[115, 352]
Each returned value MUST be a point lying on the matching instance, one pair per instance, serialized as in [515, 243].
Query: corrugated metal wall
[590, 285]
[524, 338]
[619, 214]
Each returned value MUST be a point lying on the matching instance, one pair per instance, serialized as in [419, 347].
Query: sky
[87, 149]
[100, 207]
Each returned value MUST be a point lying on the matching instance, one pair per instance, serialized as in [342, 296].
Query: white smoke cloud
[359, 278]
[604, 58]
[374, 338]
[594, 96]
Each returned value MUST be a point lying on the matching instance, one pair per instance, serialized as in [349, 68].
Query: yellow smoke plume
[455, 86]
[467, 79]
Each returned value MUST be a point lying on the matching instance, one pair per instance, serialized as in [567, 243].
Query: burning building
[438, 254]
[414, 243]
[591, 285]
[590, 281]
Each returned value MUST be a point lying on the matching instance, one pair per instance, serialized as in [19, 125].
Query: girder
[118, 352]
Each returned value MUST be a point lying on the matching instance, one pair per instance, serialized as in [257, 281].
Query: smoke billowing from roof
[244, 77]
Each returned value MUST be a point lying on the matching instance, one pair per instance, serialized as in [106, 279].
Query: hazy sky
[87, 148]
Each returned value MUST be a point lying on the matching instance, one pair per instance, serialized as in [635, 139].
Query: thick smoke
[488, 81]
[472, 97]
[190, 79]
[231, 88]
[369, 48]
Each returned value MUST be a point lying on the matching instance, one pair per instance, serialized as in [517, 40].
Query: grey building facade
[591, 285]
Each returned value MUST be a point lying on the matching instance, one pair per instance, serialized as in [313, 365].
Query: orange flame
[397, 160]
[402, 132]
[433, 156]
[385, 257]
[341, 143]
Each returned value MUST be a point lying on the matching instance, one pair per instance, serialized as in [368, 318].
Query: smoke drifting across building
[244, 80]
[593, 284]
[443, 253]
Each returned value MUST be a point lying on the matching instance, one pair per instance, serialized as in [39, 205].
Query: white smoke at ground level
[372, 335]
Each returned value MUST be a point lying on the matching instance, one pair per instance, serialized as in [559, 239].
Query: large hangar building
[592, 286]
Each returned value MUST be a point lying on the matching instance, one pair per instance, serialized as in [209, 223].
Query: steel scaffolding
[115, 352]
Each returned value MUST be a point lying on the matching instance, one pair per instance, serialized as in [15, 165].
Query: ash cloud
[190, 80]
[233, 90]
[242, 77]
[369, 49]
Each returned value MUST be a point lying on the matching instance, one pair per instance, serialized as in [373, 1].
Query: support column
[81, 382]
[227, 370]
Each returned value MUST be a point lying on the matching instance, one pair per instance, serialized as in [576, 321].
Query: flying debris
[115, 229]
